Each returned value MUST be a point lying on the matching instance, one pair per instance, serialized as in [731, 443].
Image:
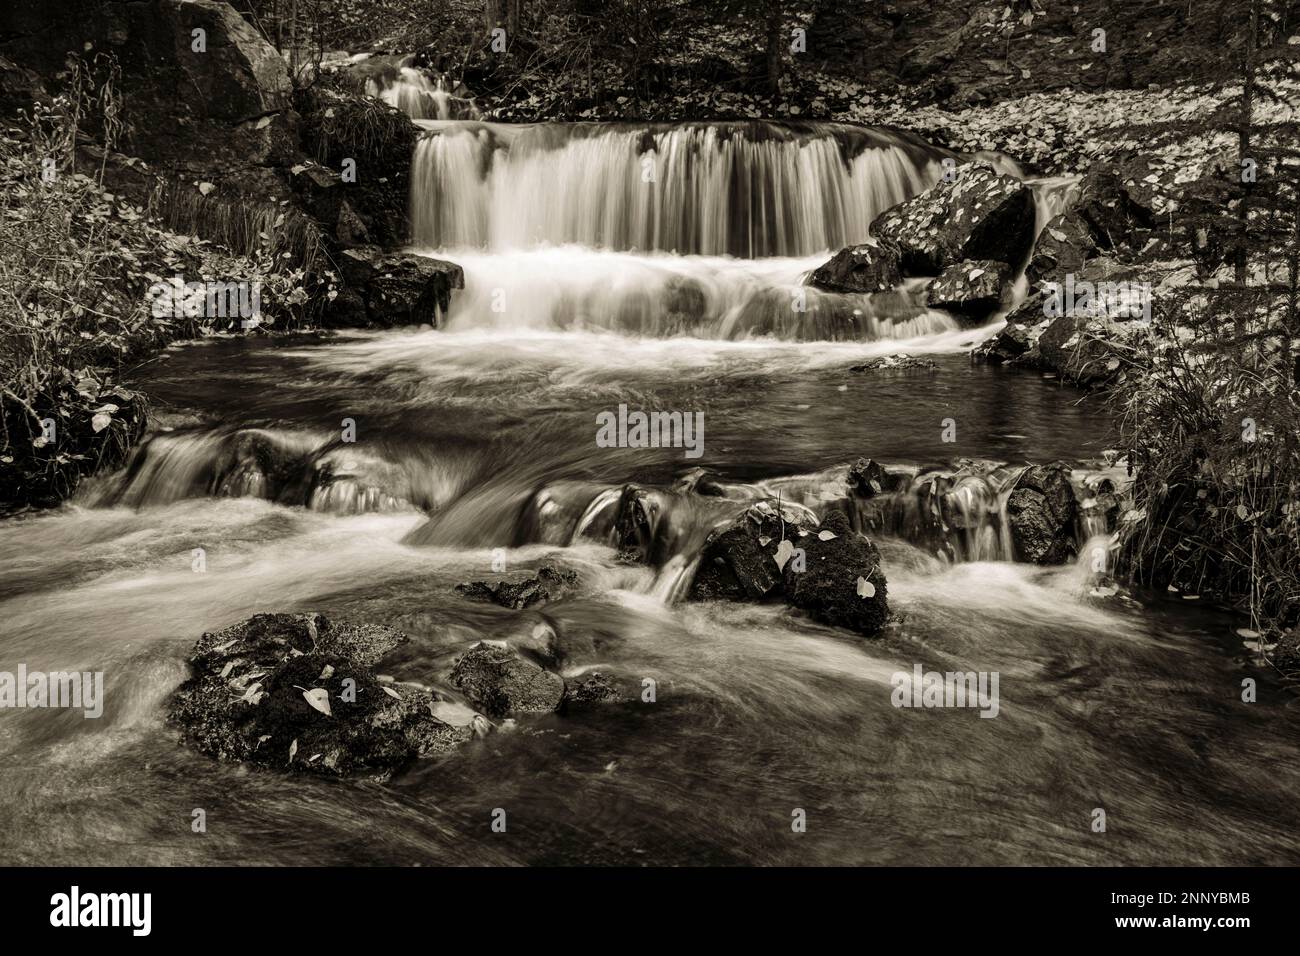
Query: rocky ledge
[968, 233]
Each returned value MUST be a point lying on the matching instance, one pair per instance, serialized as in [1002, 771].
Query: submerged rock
[503, 682]
[594, 688]
[979, 215]
[896, 363]
[549, 584]
[296, 692]
[869, 267]
[1041, 512]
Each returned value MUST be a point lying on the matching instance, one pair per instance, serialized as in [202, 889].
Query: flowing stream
[476, 442]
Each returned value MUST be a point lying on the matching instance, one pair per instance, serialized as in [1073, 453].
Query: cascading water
[421, 96]
[472, 448]
[739, 189]
[705, 230]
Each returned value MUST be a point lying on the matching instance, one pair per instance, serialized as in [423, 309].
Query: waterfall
[745, 189]
[420, 96]
[660, 295]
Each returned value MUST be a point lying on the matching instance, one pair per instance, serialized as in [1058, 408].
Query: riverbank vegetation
[78, 261]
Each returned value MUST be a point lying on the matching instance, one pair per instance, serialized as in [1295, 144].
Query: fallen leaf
[825, 535]
[784, 551]
[865, 588]
[319, 698]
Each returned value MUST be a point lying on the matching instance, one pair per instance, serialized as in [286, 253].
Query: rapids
[477, 441]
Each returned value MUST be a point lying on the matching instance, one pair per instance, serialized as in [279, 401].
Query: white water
[575, 288]
[742, 189]
[422, 97]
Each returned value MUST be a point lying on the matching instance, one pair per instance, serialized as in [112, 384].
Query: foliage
[77, 263]
[1213, 423]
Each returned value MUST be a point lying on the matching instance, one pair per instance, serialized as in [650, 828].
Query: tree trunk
[774, 38]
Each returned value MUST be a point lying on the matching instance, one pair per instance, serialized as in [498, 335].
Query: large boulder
[1064, 245]
[1041, 511]
[869, 267]
[780, 551]
[505, 682]
[980, 214]
[298, 693]
[1115, 214]
[972, 289]
[1076, 347]
[217, 95]
[1020, 334]
[841, 583]
[397, 288]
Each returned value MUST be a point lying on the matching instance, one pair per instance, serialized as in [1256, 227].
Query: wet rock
[869, 267]
[296, 692]
[643, 525]
[594, 688]
[896, 363]
[697, 481]
[842, 583]
[867, 478]
[740, 560]
[1076, 347]
[549, 584]
[1041, 513]
[1064, 246]
[1024, 325]
[826, 569]
[502, 682]
[399, 288]
[980, 215]
[972, 288]
[349, 481]
[736, 566]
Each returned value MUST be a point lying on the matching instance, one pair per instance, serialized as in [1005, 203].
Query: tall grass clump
[1212, 430]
